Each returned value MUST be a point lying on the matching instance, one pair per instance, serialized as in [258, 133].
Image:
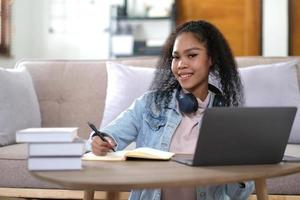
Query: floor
[10, 198]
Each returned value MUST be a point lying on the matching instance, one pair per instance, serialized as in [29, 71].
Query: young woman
[168, 117]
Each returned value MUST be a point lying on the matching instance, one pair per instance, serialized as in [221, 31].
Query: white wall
[83, 39]
[275, 28]
[21, 36]
[31, 38]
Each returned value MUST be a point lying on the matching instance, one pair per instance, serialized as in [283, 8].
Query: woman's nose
[182, 64]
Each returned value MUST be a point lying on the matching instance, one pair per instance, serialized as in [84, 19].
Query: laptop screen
[240, 136]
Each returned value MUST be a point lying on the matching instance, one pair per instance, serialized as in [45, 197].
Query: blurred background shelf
[140, 28]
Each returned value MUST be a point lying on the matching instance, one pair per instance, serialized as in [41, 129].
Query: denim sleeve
[125, 128]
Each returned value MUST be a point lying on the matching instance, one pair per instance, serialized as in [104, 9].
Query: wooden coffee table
[119, 176]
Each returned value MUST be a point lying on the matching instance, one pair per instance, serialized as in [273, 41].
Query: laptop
[241, 136]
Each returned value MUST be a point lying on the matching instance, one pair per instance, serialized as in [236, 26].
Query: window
[5, 27]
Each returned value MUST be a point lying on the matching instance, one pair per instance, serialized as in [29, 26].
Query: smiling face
[191, 64]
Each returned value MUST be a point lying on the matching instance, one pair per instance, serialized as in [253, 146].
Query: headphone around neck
[188, 102]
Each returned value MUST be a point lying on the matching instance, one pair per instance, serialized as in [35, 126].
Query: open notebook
[139, 153]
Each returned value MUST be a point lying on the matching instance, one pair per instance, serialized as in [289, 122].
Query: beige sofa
[70, 93]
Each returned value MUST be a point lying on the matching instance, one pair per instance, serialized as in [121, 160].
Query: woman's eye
[192, 55]
[175, 57]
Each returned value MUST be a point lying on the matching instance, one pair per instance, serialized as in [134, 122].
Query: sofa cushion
[125, 84]
[19, 107]
[14, 152]
[247, 61]
[15, 174]
[273, 85]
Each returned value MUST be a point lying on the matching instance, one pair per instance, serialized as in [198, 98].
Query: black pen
[98, 133]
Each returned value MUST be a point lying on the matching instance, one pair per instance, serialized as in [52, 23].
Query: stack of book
[52, 148]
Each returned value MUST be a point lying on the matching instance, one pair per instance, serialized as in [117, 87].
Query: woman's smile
[183, 76]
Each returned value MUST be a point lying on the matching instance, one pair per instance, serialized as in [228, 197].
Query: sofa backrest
[72, 92]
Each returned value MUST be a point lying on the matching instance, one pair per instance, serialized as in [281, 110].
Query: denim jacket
[143, 123]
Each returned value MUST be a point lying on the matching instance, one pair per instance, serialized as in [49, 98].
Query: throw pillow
[273, 85]
[124, 84]
[19, 106]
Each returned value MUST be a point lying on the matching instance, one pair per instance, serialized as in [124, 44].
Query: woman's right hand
[100, 147]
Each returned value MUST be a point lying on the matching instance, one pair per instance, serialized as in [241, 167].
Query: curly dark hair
[223, 67]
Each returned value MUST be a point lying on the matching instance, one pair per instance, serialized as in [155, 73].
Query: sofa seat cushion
[14, 152]
[284, 185]
[14, 171]
[14, 174]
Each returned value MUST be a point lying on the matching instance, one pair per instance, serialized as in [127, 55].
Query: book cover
[66, 134]
[75, 148]
[142, 153]
[54, 163]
